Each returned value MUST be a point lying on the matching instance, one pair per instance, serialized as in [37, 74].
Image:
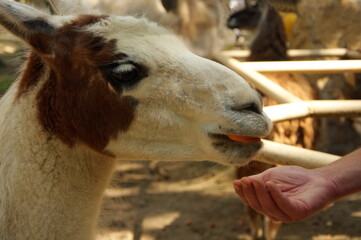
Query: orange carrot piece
[244, 139]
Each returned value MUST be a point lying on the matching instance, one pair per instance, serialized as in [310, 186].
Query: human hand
[287, 193]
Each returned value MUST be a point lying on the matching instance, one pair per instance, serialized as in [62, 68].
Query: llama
[101, 88]
[200, 23]
[269, 44]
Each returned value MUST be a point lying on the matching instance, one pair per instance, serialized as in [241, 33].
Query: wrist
[331, 182]
[343, 175]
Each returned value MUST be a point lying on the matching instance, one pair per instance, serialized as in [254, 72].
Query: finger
[239, 190]
[281, 200]
[250, 195]
[275, 219]
[268, 205]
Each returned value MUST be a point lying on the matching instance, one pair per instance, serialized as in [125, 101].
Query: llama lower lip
[234, 138]
[236, 149]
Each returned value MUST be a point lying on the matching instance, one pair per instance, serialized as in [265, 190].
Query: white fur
[49, 190]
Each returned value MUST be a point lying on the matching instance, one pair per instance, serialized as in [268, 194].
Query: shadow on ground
[140, 205]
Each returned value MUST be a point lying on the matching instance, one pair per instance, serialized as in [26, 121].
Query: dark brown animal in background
[269, 44]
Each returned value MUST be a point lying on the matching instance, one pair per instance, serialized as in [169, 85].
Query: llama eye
[125, 73]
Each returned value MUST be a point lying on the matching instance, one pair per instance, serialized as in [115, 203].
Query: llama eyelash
[124, 68]
[123, 74]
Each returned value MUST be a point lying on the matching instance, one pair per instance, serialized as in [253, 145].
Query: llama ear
[33, 26]
[170, 5]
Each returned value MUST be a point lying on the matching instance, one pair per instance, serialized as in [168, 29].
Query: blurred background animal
[269, 43]
[200, 23]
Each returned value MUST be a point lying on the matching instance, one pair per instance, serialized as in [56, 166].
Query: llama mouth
[236, 145]
[235, 138]
[244, 139]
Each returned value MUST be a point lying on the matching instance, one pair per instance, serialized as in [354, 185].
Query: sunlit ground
[140, 206]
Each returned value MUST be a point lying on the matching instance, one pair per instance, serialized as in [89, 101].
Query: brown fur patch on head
[75, 103]
[32, 72]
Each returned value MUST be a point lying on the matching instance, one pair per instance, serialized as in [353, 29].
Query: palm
[305, 192]
[286, 193]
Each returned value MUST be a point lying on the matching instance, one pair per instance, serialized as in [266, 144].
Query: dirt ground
[196, 201]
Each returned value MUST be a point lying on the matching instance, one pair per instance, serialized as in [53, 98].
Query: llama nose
[249, 107]
[250, 119]
[254, 105]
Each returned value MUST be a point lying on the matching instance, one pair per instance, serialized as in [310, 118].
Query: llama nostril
[247, 107]
[255, 105]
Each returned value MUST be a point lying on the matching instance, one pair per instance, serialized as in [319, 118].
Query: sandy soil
[195, 201]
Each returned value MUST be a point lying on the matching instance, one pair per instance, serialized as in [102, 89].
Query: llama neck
[47, 189]
[270, 41]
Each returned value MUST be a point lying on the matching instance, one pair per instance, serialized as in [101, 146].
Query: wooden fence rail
[277, 153]
[318, 108]
[304, 53]
[324, 66]
[292, 107]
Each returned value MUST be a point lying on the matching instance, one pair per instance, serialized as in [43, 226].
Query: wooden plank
[258, 80]
[303, 53]
[318, 108]
[277, 153]
[325, 66]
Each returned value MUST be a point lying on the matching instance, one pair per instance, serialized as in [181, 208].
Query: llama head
[246, 18]
[130, 89]
[199, 23]
[269, 40]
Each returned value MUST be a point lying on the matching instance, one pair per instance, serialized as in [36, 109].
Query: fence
[291, 107]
